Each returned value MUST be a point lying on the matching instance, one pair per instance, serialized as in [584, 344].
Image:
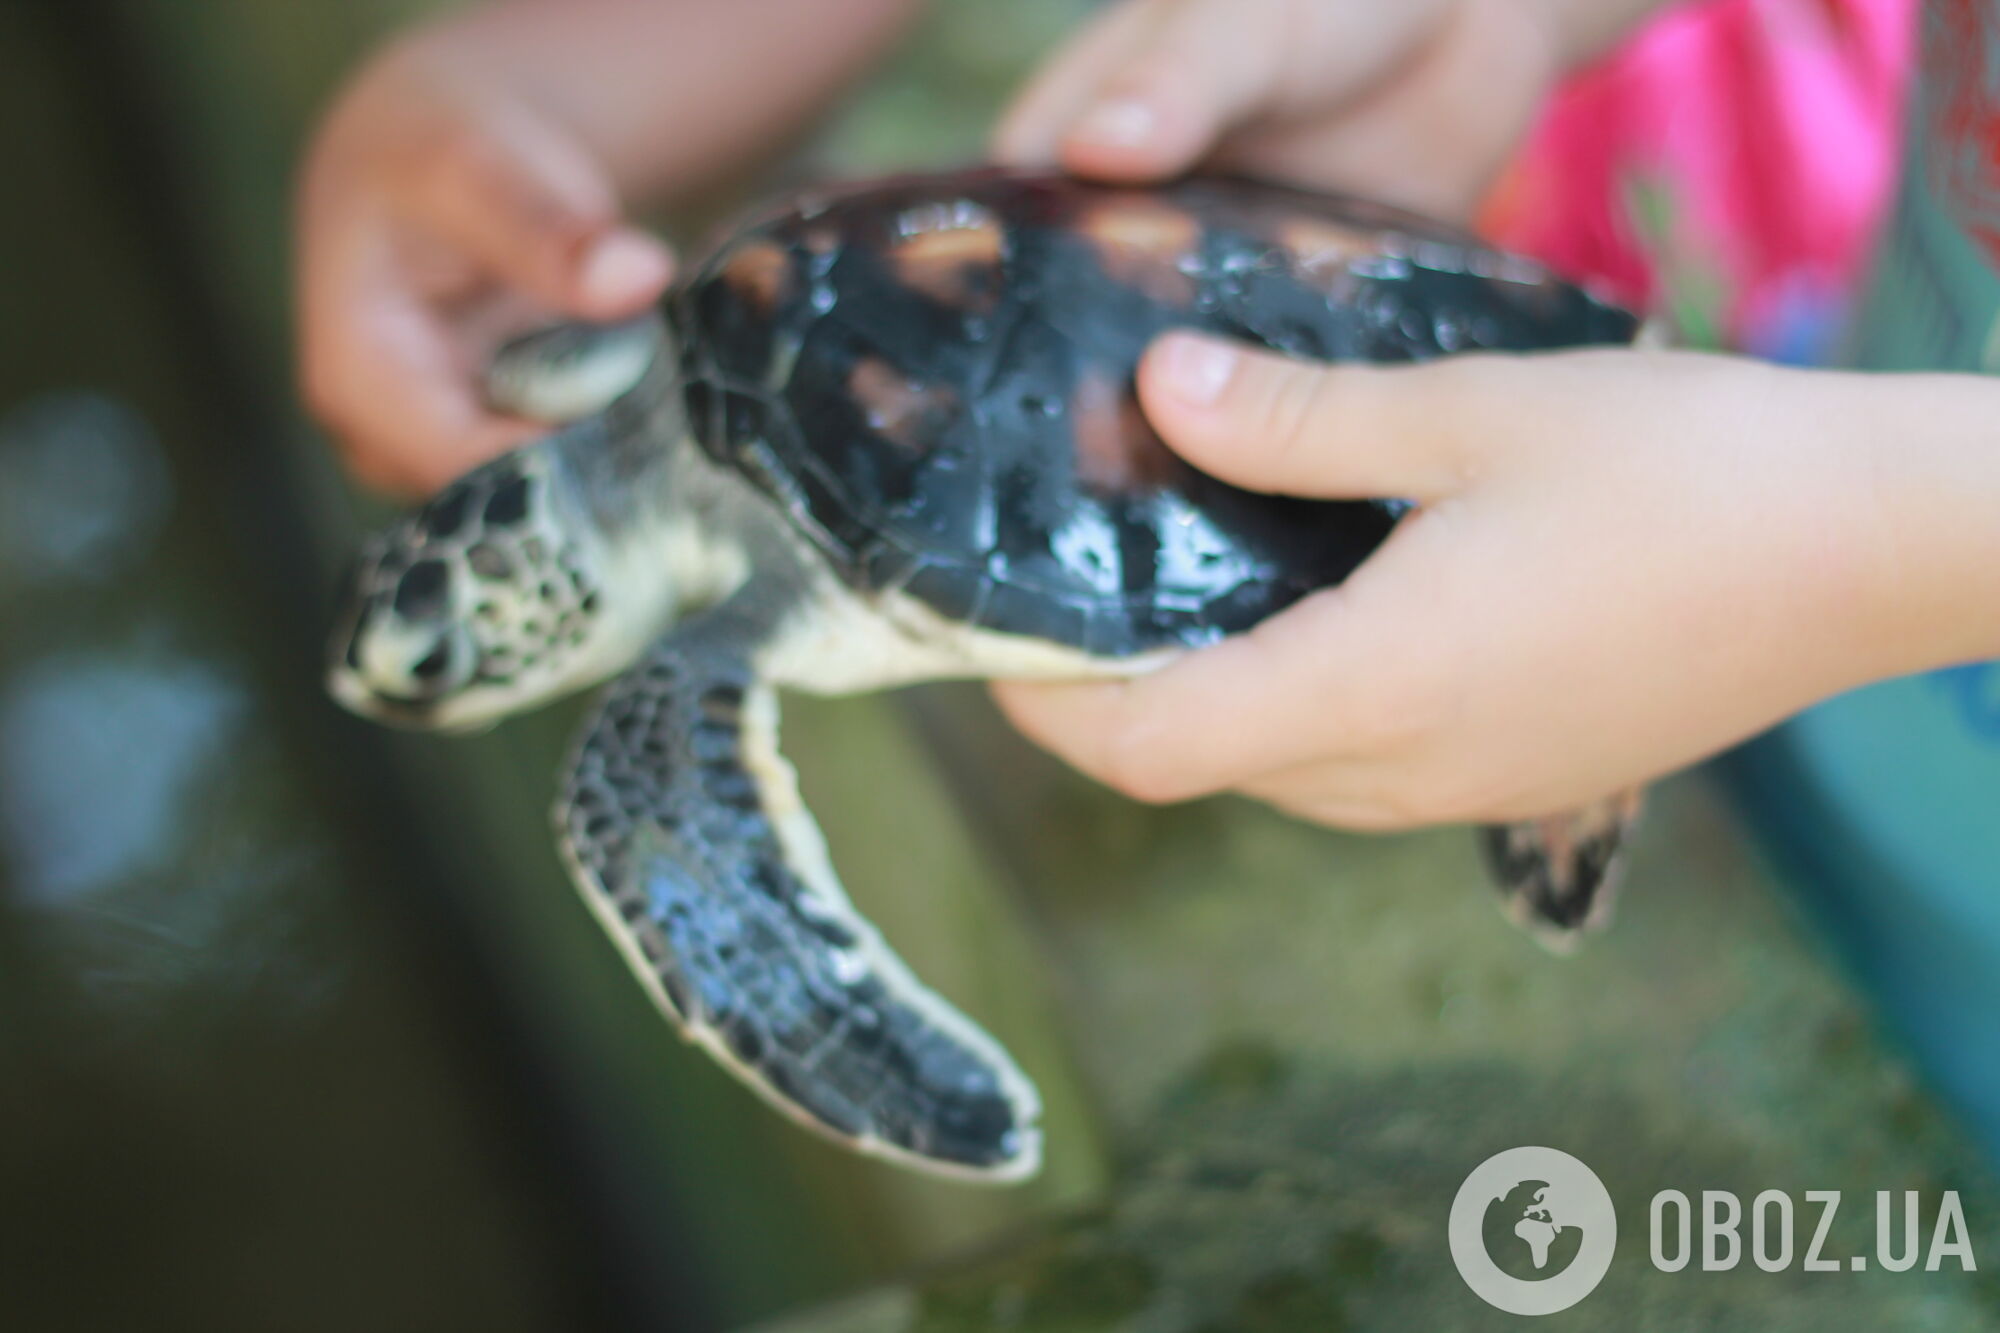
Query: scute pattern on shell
[934, 375]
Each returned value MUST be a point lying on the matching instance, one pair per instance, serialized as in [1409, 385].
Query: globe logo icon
[1532, 1230]
[1528, 1234]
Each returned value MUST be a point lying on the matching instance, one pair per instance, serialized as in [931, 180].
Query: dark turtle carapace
[887, 433]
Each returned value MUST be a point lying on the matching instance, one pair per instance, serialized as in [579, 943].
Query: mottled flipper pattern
[1556, 875]
[684, 829]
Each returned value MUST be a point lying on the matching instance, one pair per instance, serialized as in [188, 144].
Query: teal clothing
[1887, 801]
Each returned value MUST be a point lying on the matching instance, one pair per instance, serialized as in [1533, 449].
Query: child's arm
[1623, 561]
[483, 162]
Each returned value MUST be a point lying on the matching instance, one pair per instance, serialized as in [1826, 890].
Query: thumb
[1271, 423]
[1186, 73]
[538, 212]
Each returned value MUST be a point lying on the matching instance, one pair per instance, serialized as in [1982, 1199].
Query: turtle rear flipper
[684, 830]
[1556, 875]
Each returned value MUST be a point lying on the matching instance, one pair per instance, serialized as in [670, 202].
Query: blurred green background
[301, 1027]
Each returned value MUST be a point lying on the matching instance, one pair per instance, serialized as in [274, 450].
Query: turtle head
[508, 589]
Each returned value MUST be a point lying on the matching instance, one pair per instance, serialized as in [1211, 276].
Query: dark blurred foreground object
[255, 1071]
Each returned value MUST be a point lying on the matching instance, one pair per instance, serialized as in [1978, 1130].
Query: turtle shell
[934, 376]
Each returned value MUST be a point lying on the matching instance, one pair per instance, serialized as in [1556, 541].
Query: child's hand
[433, 202]
[1623, 561]
[1417, 102]
[468, 182]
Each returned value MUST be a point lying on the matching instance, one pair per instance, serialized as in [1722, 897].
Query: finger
[1031, 130]
[404, 408]
[1297, 688]
[1349, 794]
[1207, 68]
[383, 373]
[535, 210]
[1432, 136]
[1271, 423]
[1194, 74]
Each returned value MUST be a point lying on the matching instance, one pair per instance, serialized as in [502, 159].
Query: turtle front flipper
[683, 827]
[1556, 875]
[566, 372]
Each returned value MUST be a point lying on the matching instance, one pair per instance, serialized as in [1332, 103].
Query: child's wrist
[1928, 458]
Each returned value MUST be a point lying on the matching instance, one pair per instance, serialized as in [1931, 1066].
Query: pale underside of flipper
[683, 827]
[1557, 876]
[568, 371]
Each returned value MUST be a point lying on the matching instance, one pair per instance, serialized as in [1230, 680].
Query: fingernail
[1195, 370]
[1121, 123]
[623, 267]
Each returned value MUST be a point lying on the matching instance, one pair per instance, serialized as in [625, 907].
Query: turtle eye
[444, 666]
[434, 665]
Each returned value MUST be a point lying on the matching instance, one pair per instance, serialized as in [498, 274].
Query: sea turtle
[886, 433]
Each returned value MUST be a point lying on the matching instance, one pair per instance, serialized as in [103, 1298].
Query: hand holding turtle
[1418, 102]
[1622, 561]
[434, 200]
[470, 182]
